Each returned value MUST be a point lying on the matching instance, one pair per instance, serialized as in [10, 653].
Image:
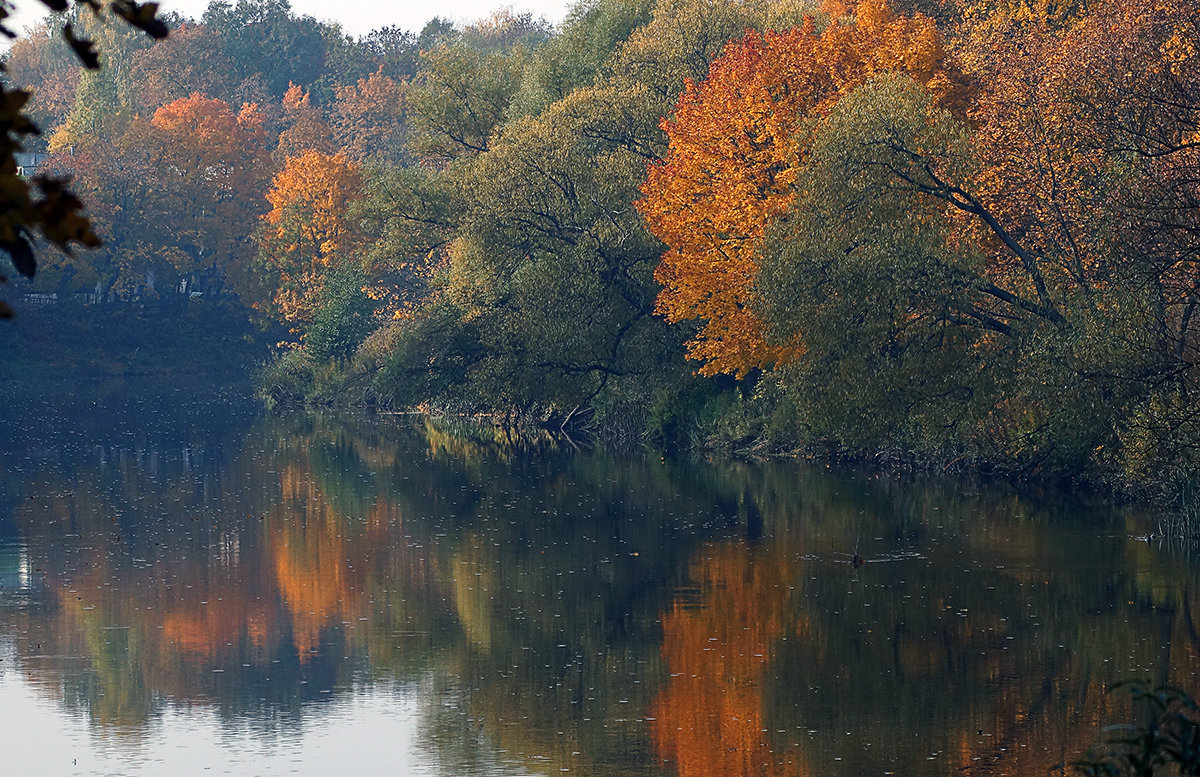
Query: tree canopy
[736, 142]
[965, 228]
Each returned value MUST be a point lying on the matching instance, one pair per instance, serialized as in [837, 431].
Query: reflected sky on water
[190, 585]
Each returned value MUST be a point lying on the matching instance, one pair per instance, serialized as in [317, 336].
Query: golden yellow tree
[307, 232]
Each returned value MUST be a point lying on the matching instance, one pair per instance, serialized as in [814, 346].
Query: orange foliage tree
[369, 118]
[211, 175]
[1087, 134]
[307, 233]
[736, 142]
[175, 198]
[306, 129]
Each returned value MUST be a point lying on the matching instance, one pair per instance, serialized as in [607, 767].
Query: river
[190, 585]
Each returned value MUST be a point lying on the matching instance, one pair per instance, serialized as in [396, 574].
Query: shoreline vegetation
[957, 235]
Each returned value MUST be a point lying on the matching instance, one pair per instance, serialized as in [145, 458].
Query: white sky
[358, 17]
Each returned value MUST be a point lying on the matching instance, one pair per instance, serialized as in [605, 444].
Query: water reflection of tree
[939, 662]
[709, 717]
[356, 560]
[602, 613]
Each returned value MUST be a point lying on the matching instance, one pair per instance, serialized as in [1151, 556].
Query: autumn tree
[40, 64]
[737, 139]
[304, 128]
[190, 61]
[1019, 286]
[214, 173]
[547, 264]
[369, 121]
[683, 37]
[174, 198]
[307, 231]
[47, 209]
[545, 298]
[1087, 137]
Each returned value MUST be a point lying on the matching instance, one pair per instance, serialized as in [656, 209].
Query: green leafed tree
[896, 329]
[460, 97]
[343, 316]
[537, 163]
[264, 38]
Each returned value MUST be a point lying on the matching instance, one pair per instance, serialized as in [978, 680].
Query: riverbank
[753, 419]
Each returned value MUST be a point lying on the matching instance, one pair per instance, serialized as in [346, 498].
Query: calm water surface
[191, 586]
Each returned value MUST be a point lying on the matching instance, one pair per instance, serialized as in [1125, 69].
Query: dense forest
[965, 230]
